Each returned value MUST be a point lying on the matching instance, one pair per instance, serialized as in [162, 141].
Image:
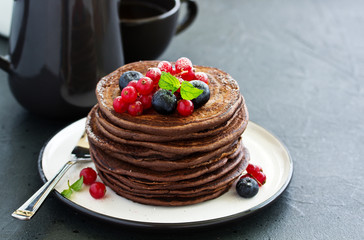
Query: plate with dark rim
[265, 150]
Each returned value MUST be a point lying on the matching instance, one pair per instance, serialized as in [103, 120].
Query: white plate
[265, 150]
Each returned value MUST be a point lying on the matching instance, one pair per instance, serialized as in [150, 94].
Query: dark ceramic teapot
[58, 50]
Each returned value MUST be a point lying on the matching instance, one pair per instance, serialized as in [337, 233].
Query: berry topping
[89, 175]
[128, 77]
[202, 77]
[119, 105]
[183, 64]
[247, 187]
[178, 81]
[145, 85]
[129, 94]
[185, 107]
[135, 108]
[164, 102]
[165, 66]
[154, 74]
[97, 190]
[202, 98]
[146, 100]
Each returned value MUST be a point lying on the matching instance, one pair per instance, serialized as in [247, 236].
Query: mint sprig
[76, 186]
[171, 83]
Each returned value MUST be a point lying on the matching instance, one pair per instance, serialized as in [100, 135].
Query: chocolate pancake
[169, 160]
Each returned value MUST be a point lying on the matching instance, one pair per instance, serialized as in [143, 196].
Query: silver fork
[79, 154]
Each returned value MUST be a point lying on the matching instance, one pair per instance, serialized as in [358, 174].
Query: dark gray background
[300, 65]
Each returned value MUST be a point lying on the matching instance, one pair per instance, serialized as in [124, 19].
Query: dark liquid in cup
[136, 10]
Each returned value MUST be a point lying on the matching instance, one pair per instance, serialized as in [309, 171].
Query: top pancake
[225, 99]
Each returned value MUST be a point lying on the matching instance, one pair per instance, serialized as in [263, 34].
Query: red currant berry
[253, 169]
[89, 175]
[188, 75]
[129, 94]
[97, 190]
[185, 107]
[135, 108]
[260, 177]
[146, 101]
[133, 83]
[165, 66]
[145, 85]
[250, 168]
[119, 105]
[154, 74]
[183, 64]
[202, 77]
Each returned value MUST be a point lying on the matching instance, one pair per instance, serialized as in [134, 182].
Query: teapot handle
[191, 14]
[5, 63]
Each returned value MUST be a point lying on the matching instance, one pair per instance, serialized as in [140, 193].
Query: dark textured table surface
[300, 65]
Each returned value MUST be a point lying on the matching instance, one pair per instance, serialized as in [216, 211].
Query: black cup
[148, 26]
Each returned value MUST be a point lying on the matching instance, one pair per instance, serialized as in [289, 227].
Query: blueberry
[128, 77]
[247, 187]
[204, 96]
[164, 102]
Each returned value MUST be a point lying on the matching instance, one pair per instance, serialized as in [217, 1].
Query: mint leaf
[189, 92]
[67, 193]
[77, 185]
[169, 82]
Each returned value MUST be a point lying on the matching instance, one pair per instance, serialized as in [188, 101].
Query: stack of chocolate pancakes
[169, 160]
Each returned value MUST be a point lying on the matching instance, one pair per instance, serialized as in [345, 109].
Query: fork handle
[30, 207]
